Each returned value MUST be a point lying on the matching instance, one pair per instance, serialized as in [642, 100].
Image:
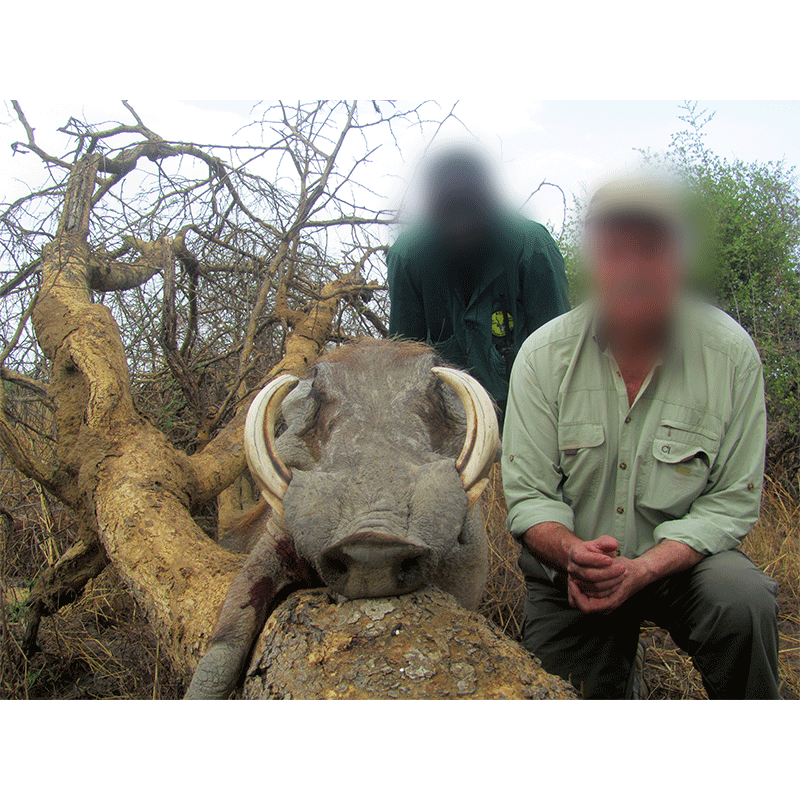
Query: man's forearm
[550, 542]
[555, 545]
[667, 558]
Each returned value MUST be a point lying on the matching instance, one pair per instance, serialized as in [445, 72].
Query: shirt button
[511, 458]
[627, 420]
[620, 510]
[751, 486]
[623, 465]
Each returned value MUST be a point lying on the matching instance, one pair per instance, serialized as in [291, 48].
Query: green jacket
[520, 285]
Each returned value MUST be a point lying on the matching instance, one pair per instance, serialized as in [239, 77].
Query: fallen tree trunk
[421, 645]
[131, 491]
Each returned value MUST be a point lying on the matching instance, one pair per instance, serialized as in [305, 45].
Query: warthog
[373, 486]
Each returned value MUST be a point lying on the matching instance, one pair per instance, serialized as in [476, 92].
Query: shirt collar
[676, 338]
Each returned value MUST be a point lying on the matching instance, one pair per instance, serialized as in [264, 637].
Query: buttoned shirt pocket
[678, 471]
[581, 458]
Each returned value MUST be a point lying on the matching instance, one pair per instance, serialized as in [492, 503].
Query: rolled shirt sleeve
[531, 475]
[729, 507]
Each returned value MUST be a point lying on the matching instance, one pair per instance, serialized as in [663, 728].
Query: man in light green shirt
[633, 460]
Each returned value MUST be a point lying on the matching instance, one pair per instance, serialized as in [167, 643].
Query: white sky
[571, 143]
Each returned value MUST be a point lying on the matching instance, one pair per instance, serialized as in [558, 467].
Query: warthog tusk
[483, 437]
[266, 466]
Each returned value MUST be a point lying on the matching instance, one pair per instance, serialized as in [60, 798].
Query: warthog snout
[371, 564]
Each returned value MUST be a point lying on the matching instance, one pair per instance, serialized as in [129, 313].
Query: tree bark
[416, 646]
[132, 491]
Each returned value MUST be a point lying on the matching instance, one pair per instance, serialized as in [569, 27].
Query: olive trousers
[723, 612]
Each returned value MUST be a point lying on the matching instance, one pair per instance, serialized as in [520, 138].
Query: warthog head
[384, 453]
[373, 483]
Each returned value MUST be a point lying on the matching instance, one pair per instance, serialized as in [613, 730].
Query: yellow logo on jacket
[499, 326]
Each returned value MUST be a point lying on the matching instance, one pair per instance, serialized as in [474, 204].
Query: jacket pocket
[582, 456]
[680, 464]
[498, 364]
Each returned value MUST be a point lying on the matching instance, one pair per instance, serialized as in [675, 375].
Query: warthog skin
[375, 505]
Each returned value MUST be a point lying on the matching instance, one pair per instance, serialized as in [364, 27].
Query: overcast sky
[571, 143]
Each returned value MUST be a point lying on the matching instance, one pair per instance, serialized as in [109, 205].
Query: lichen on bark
[421, 645]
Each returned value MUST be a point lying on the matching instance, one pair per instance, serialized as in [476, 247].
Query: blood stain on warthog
[260, 592]
[299, 568]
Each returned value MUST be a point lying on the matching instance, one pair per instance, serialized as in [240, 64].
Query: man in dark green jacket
[473, 280]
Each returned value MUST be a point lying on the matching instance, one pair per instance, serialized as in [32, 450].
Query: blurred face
[636, 268]
[461, 221]
[461, 205]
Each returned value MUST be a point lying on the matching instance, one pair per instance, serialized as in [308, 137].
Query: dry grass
[98, 647]
[505, 586]
[774, 545]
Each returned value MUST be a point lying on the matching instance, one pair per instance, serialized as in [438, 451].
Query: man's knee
[594, 652]
[736, 591]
